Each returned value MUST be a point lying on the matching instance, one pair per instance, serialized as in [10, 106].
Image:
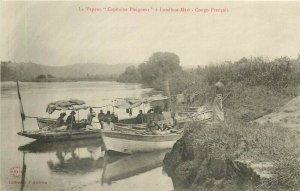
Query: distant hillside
[29, 71]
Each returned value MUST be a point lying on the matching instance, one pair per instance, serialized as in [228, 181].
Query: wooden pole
[21, 106]
[167, 93]
[78, 116]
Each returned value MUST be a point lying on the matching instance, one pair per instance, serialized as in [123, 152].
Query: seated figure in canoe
[60, 123]
[140, 117]
[157, 129]
[108, 125]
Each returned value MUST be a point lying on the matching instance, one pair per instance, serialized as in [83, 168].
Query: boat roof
[129, 103]
[71, 104]
[121, 103]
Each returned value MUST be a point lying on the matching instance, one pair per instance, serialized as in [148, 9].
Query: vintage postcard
[150, 95]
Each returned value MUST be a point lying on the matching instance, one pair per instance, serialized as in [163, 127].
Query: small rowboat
[139, 141]
[61, 135]
[202, 114]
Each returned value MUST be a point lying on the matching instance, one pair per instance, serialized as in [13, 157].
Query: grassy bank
[202, 159]
[240, 141]
[254, 87]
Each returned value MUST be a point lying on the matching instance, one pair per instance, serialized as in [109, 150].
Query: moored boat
[61, 135]
[135, 142]
[49, 131]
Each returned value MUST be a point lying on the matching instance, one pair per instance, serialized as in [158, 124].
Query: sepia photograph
[150, 95]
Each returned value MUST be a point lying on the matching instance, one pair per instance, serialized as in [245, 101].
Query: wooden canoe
[61, 135]
[129, 142]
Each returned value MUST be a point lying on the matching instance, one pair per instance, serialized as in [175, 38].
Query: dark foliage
[160, 66]
[131, 75]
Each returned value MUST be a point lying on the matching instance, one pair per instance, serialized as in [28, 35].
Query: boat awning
[72, 104]
[129, 103]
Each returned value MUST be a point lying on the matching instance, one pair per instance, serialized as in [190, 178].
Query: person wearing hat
[60, 120]
[71, 120]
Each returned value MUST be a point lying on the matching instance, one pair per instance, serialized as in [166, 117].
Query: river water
[73, 165]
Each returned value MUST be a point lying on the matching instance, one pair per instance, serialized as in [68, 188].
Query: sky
[62, 33]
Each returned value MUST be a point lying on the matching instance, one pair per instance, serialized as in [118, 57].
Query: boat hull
[135, 143]
[64, 135]
[45, 122]
[51, 123]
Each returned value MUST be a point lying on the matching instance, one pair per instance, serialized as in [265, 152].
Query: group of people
[69, 122]
[105, 120]
[160, 128]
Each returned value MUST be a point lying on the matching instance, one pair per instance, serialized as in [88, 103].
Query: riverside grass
[256, 87]
[248, 141]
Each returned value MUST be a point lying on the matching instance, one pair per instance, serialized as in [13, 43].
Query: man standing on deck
[101, 118]
[71, 120]
[218, 101]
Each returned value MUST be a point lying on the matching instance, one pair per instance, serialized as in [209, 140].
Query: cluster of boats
[127, 136]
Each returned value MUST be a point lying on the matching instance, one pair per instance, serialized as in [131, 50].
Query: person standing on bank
[218, 101]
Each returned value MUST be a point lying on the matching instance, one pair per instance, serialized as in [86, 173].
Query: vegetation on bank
[202, 159]
[28, 71]
[254, 87]
[159, 67]
[50, 78]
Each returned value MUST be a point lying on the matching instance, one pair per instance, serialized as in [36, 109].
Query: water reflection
[130, 165]
[24, 167]
[86, 156]
[71, 156]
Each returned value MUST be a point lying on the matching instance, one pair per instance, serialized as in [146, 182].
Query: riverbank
[238, 155]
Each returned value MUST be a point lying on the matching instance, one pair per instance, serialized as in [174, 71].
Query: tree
[130, 75]
[159, 67]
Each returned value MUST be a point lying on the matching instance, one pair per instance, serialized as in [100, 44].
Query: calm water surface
[73, 165]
